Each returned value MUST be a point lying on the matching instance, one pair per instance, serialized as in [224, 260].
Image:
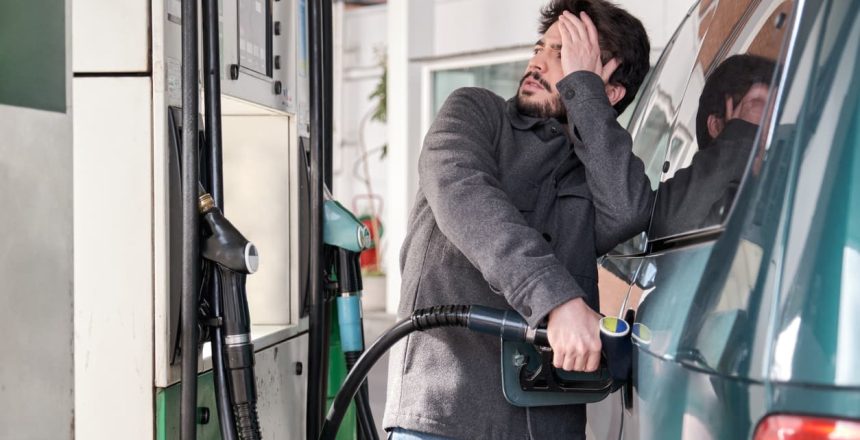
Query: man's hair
[732, 78]
[620, 36]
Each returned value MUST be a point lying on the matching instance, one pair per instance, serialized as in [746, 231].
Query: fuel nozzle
[235, 257]
[226, 245]
[506, 323]
[342, 230]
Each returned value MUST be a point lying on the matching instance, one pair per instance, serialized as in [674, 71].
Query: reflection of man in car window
[730, 108]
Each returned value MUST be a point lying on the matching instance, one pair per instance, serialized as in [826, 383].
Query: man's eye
[537, 50]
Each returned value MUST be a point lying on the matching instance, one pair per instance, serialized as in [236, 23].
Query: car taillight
[787, 427]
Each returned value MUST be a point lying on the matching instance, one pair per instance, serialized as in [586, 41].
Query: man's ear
[715, 125]
[615, 93]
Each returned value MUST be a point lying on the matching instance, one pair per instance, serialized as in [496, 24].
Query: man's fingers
[558, 359]
[576, 360]
[579, 363]
[593, 361]
[571, 41]
[591, 29]
[570, 362]
[566, 35]
[581, 35]
[730, 112]
[609, 69]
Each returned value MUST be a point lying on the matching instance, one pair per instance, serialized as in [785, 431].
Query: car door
[658, 274]
[650, 125]
[696, 277]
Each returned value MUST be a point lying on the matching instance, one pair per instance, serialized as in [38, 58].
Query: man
[730, 109]
[516, 200]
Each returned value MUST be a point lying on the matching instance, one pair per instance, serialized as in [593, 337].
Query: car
[746, 288]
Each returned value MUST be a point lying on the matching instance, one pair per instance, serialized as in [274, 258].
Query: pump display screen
[255, 36]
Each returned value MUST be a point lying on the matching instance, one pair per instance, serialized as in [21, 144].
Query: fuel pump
[345, 238]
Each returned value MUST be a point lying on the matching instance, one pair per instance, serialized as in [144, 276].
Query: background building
[429, 48]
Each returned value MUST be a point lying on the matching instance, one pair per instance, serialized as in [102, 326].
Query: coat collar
[520, 121]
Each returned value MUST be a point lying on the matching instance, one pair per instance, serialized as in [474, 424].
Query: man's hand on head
[580, 49]
[574, 335]
[751, 107]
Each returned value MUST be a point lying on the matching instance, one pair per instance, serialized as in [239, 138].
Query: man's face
[750, 109]
[537, 95]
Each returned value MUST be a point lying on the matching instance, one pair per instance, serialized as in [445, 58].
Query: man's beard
[552, 109]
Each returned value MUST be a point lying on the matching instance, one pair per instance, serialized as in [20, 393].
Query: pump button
[202, 415]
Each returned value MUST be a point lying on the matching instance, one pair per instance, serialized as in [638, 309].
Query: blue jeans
[403, 434]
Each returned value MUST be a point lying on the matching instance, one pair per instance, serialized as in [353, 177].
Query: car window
[709, 142]
[654, 127]
[678, 286]
[656, 107]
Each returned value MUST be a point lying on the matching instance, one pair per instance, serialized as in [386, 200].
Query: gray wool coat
[511, 212]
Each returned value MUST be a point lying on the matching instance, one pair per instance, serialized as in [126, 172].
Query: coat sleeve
[620, 189]
[458, 174]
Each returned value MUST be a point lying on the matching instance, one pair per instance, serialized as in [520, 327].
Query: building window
[502, 79]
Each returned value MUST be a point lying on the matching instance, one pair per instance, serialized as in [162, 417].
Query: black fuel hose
[505, 323]
[240, 354]
[190, 224]
[367, 427]
[234, 257]
[366, 424]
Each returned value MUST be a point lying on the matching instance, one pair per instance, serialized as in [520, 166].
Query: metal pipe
[327, 93]
[212, 99]
[190, 223]
[318, 313]
[212, 110]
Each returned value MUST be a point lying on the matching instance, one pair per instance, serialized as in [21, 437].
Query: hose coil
[247, 421]
[441, 316]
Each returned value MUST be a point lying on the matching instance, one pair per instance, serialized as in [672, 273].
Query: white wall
[363, 46]
[424, 35]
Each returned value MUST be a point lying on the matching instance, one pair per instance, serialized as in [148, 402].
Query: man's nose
[538, 63]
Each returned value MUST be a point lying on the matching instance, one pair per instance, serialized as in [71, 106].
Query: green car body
[756, 315]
